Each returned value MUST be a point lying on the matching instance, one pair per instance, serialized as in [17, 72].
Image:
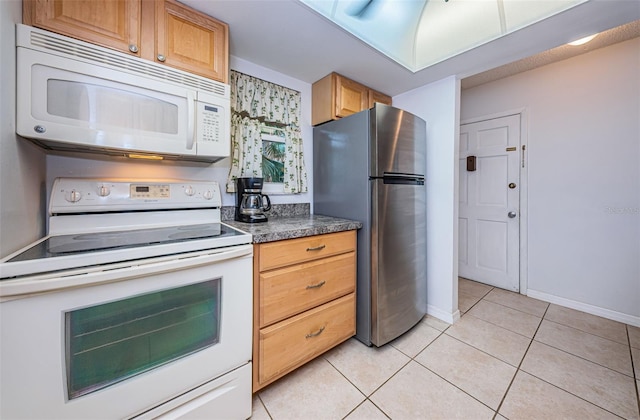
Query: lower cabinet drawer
[294, 251]
[295, 289]
[294, 341]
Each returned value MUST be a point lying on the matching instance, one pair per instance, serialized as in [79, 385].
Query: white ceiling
[291, 38]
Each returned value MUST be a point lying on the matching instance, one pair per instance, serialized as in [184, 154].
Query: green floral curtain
[254, 104]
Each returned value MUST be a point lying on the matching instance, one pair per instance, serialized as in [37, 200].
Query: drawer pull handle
[317, 248]
[315, 286]
[315, 334]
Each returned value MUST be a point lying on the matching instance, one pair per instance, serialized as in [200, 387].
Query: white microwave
[79, 97]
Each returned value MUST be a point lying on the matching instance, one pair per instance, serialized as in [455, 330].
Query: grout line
[507, 329]
[591, 332]
[376, 406]
[589, 360]
[470, 307]
[518, 368]
[354, 408]
[485, 352]
[263, 405]
[455, 386]
[345, 377]
[628, 343]
[521, 311]
[633, 370]
[359, 405]
[571, 393]
[394, 374]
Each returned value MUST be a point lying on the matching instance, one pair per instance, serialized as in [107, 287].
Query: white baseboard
[445, 316]
[585, 307]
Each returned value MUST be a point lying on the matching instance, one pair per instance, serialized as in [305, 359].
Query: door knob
[511, 214]
[512, 185]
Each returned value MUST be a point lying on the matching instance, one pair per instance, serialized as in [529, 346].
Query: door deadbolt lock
[511, 214]
[512, 185]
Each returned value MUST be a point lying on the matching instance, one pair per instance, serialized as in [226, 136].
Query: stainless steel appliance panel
[383, 146]
[341, 189]
[394, 147]
[398, 264]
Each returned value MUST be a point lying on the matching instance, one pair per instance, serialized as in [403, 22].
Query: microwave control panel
[210, 126]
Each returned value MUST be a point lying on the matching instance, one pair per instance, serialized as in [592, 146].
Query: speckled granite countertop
[280, 228]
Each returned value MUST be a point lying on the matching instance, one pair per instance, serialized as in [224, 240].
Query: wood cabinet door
[110, 23]
[191, 41]
[375, 96]
[351, 97]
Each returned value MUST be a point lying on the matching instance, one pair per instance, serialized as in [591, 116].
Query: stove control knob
[208, 195]
[73, 196]
[189, 190]
[103, 191]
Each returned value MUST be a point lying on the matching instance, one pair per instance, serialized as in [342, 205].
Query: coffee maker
[250, 202]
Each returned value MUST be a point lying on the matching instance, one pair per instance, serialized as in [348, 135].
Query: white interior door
[489, 211]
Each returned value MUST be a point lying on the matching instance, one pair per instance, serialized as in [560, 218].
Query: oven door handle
[111, 273]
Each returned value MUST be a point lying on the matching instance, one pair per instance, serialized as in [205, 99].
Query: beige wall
[583, 117]
[22, 165]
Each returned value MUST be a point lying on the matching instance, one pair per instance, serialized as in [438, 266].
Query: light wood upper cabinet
[191, 41]
[335, 96]
[378, 97]
[351, 97]
[164, 31]
[110, 23]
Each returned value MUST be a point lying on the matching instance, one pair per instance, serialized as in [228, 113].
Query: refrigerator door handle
[402, 174]
[400, 179]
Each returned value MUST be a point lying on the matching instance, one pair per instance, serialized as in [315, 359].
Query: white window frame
[273, 188]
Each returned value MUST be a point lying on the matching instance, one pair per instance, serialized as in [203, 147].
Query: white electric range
[138, 294]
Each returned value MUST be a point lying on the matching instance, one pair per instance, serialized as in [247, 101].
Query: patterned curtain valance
[254, 103]
[266, 101]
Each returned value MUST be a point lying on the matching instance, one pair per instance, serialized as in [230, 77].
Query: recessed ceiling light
[583, 40]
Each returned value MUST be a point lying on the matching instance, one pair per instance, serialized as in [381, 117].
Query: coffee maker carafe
[250, 202]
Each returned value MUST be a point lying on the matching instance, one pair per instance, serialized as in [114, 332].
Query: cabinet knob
[161, 58]
[133, 48]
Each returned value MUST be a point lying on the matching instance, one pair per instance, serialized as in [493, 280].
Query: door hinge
[523, 149]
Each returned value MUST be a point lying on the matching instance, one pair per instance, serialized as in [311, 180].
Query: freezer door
[398, 142]
[398, 264]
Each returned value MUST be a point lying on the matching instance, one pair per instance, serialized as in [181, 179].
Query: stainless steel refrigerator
[370, 167]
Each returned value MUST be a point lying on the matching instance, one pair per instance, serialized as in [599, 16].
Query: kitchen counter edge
[282, 228]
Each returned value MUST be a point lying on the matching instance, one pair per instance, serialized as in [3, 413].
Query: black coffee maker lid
[249, 182]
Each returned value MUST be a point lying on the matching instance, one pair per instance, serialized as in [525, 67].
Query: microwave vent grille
[115, 60]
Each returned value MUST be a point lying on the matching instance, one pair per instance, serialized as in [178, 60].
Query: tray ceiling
[420, 33]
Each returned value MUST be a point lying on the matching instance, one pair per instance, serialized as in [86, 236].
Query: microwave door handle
[191, 120]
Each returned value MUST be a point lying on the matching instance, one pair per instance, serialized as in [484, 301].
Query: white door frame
[524, 185]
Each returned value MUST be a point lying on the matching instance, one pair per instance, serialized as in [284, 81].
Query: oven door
[133, 339]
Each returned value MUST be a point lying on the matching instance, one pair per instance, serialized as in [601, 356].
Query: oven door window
[114, 341]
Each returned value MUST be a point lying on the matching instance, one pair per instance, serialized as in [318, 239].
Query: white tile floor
[509, 356]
